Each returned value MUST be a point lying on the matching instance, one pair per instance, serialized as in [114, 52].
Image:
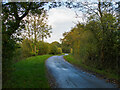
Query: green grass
[78, 63]
[29, 73]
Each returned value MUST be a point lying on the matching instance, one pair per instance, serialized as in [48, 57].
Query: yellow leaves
[71, 50]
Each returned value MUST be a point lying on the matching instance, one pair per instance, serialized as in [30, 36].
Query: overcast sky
[61, 19]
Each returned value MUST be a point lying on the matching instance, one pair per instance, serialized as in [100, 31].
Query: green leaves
[43, 48]
[53, 49]
[94, 42]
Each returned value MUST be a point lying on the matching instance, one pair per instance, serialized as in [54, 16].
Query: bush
[26, 48]
[43, 48]
[65, 49]
[71, 50]
[33, 53]
[86, 48]
[59, 51]
[18, 55]
[53, 49]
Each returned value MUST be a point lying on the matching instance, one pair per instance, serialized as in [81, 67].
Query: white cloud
[61, 19]
[60, 15]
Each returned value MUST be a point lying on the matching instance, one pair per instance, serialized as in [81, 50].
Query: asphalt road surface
[68, 76]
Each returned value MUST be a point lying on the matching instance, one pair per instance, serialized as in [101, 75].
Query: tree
[96, 42]
[38, 27]
[53, 49]
[43, 48]
[102, 21]
[12, 20]
[17, 11]
[56, 43]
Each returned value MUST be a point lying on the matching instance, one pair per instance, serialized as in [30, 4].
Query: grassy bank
[29, 73]
[78, 63]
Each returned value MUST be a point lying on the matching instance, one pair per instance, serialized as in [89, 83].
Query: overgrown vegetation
[96, 43]
[79, 63]
[29, 73]
[12, 23]
[24, 27]
[41, 48]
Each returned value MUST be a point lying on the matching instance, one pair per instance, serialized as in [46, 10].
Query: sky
[61, 19]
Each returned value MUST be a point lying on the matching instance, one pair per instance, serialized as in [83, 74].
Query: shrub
[33, 53]
[86, 48]
[65, 49]
[26, 48]
[53, 49]
[59, 51]
[43, 48]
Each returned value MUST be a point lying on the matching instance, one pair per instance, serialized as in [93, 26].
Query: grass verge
[77, 63]
[29, 73]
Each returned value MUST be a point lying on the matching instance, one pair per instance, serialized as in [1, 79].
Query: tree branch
[87, 7]
[26, 12]
[15, 11]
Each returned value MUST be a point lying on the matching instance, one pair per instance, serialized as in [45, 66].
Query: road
[68, 76]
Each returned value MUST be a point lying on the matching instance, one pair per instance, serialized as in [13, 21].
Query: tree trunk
[103, 29]
[35, 33]
[35, 41]
[42, 38]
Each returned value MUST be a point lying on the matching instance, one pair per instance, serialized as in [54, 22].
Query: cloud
[61, 19]
[60, 16]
